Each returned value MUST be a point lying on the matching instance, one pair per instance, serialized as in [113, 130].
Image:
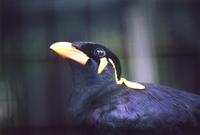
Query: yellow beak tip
[60, 45]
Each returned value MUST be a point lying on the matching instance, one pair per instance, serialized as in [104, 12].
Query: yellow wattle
[103, 63]
[129, 84]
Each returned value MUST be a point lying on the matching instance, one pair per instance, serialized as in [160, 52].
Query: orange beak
[66, 50]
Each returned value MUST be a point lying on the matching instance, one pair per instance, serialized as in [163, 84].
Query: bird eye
[99, 52]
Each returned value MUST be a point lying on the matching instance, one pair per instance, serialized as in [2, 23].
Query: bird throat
[104, 63]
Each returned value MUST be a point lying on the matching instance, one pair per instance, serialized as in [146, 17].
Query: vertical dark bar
[88, 18]
[2, 61]
[1, 48]
[1, 36]
[197, 72]
[55, 92]
[122, 9]
[50, 22]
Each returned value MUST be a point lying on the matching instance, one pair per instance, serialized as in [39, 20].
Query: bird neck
[87, 84]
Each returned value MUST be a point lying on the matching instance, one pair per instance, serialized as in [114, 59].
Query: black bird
[103, 100]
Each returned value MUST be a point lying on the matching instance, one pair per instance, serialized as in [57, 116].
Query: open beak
[66, 50]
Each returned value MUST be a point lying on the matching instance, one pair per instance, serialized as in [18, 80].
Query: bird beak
[66, 50]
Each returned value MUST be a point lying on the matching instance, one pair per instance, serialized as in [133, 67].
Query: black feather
[99, 102]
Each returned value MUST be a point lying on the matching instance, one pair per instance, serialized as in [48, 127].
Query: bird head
[85, 52]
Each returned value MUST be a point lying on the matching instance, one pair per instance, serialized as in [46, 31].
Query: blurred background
[156, 40]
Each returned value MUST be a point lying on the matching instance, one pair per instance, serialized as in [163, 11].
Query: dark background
[156, 40]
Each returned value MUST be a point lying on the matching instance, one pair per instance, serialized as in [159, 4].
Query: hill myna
[102, 99]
